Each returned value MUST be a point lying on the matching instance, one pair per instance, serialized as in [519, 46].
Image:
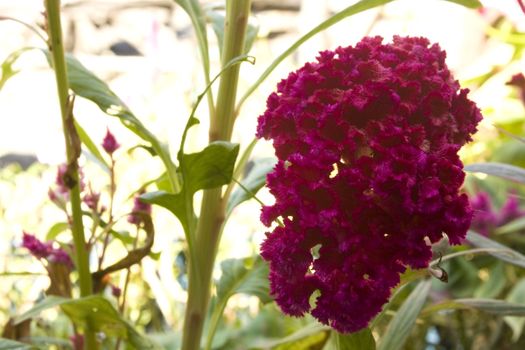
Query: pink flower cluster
[45, 250]
[487, 218]
[368, 172]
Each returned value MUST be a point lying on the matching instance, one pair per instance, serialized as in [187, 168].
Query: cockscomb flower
[368, 173]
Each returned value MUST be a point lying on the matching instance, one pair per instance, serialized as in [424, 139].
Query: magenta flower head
[368, 172]
[110, 143]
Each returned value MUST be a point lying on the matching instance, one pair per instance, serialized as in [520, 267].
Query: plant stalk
[72, 142]
[212, 213]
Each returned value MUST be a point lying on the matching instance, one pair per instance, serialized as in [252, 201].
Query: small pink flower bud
[109, 143]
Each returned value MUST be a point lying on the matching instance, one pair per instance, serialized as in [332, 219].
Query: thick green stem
[72, 152]
[212, 212]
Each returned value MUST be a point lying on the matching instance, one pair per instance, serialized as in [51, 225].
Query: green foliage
[361, 340]
[401, 325]
[217, 18]
[239, 277]
[496, 249]
[95, 312]
[209, 168]
[474, 4]
[7, 66]
[6, 344]
[516, 296]
[254, 180]
[505, 171]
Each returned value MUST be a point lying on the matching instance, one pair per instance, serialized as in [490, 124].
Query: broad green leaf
[473, 4]
[175, 203]
[516, 296]
[361, 6]
[505, 171]
[308, 331]
[8, 344]
[254, 181]
[90, 145]
[7, 66]
[55, 230]
[361, 340]
[238, 277]
[210, 168]
[217, 17]
[401, 324]
[513, 226]
[492, 306]
[496, 249]
[47, 303]
[495, 283]
[98, 313]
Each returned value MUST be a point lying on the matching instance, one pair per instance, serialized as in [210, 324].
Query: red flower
[367, 140]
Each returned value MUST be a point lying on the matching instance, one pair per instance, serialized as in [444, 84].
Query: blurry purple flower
[522, 6]
[510, 210]
[78, 341]
[518, 80]
[367, 140]
[109, 143]
[116, 291]
[91, 199]
[41, 250]
[61, 180]
[59, 256]
[36, 247]
[139, 208]
[487, 218]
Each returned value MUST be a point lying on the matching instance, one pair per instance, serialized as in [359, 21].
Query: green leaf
[238, 277]
[7, 66]
[513, 226]
[7, 344]
[505, 171]
[210, 168]
[193, 9]
[253, 182]
[517, 296]
[216, 17]
[47, 303]
[308, 331]
[90, 145]
[496, 249]
[401, 325]
[492, 306]
[473, 4]
[361, 6]
[55, 230]
[495, 283]
[361, 340]
[98, 313]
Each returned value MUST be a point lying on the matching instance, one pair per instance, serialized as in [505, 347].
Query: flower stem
[212, 209]
[72, 151]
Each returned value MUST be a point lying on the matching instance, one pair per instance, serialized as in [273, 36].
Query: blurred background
[146, 51]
